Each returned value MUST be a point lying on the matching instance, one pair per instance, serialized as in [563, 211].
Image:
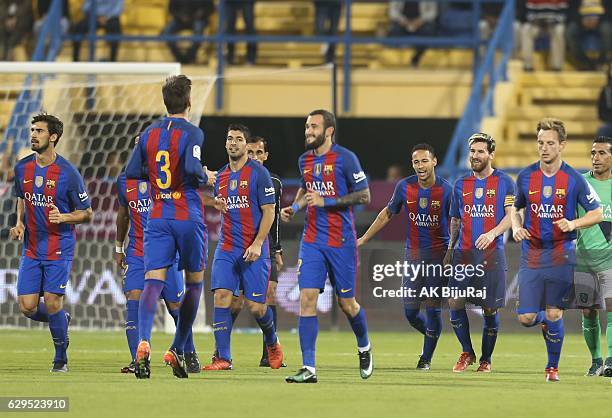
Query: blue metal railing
[347, 39]
[481, 99]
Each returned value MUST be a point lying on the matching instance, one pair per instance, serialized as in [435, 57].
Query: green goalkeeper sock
[591, 329]
[609, 334]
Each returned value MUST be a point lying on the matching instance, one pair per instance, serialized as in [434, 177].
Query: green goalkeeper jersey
[594, 250]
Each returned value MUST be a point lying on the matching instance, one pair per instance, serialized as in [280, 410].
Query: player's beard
[40, 149]
[236, 157]
[478, 167]
[319, 140]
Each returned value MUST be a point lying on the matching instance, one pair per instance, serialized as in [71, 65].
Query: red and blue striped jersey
[244, 191]
[59, 184]
[168, 155]
[428, 212]
[546, 200]
[135, 196]
[332, 175]
[480, 204]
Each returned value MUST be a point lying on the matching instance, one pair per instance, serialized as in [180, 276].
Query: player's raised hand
[220, 205]
[565, 225]
[17, 231]
[286, 214]
[253, 252]
[212, 176]
[484, 240]
[520, 234]
[55, 217]
[314, 199]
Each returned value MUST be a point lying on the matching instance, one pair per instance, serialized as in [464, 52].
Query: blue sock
[308, 328]
[147, 307]
[41, 314]
[131, 326]
[266, 323]
[222, 327]
[187, 315]
[415, 318]
[58, 325]
[540, 318]
[274, 317]
[360, 328]
[489, 336]
[554, 341]
[189, 347]
[461, 326]
[433, 329]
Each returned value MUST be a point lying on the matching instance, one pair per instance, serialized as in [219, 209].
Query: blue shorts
[174, 288]
[492, 284]
[316, 262]
[163, 238]
[427, 284]
[36, 276]
[230, 271]
[550, 286]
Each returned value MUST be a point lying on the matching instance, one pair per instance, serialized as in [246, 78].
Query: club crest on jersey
[490, 193]
[244, 184]
[560, 193]
[317, 169]
[547, 191]
[38, 181]
[233, 184]
[328, 169]
[435, 204]
[423, 202]
[51, 184]
[142, 187]
[478, 192]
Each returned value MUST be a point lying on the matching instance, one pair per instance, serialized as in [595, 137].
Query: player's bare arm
[253, 252]
[383, 218]
[361, 197]
[590, 218]
[519, 233]
[215, 202]
[455, 225]
[73, 218]
[487, 238]
[18, 230]
[123, 223]
[299, 203]
[211, 175]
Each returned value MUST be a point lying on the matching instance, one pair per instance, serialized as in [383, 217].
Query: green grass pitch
[516, 388]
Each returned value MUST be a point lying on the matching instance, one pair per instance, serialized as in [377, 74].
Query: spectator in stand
[327, 18]
[413, 18]
[589, 18]
[549, 16]
[107, 18]
[395, 172]
[41, 9]
[16, 25]
[247, 8]
[490, 17]
[187, 15]
[604, 107]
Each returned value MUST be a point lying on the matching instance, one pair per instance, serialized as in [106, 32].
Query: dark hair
[552, 124]
[484, 138]
[328, 118]
[255, 139]
[54, 125]
[240, 127]
[177, 93]
[424, 147]
[603, 140]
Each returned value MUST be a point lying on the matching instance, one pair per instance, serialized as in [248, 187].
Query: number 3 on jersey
[165, 168]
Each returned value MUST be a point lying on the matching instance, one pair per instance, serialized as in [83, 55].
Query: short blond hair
[553, 124]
